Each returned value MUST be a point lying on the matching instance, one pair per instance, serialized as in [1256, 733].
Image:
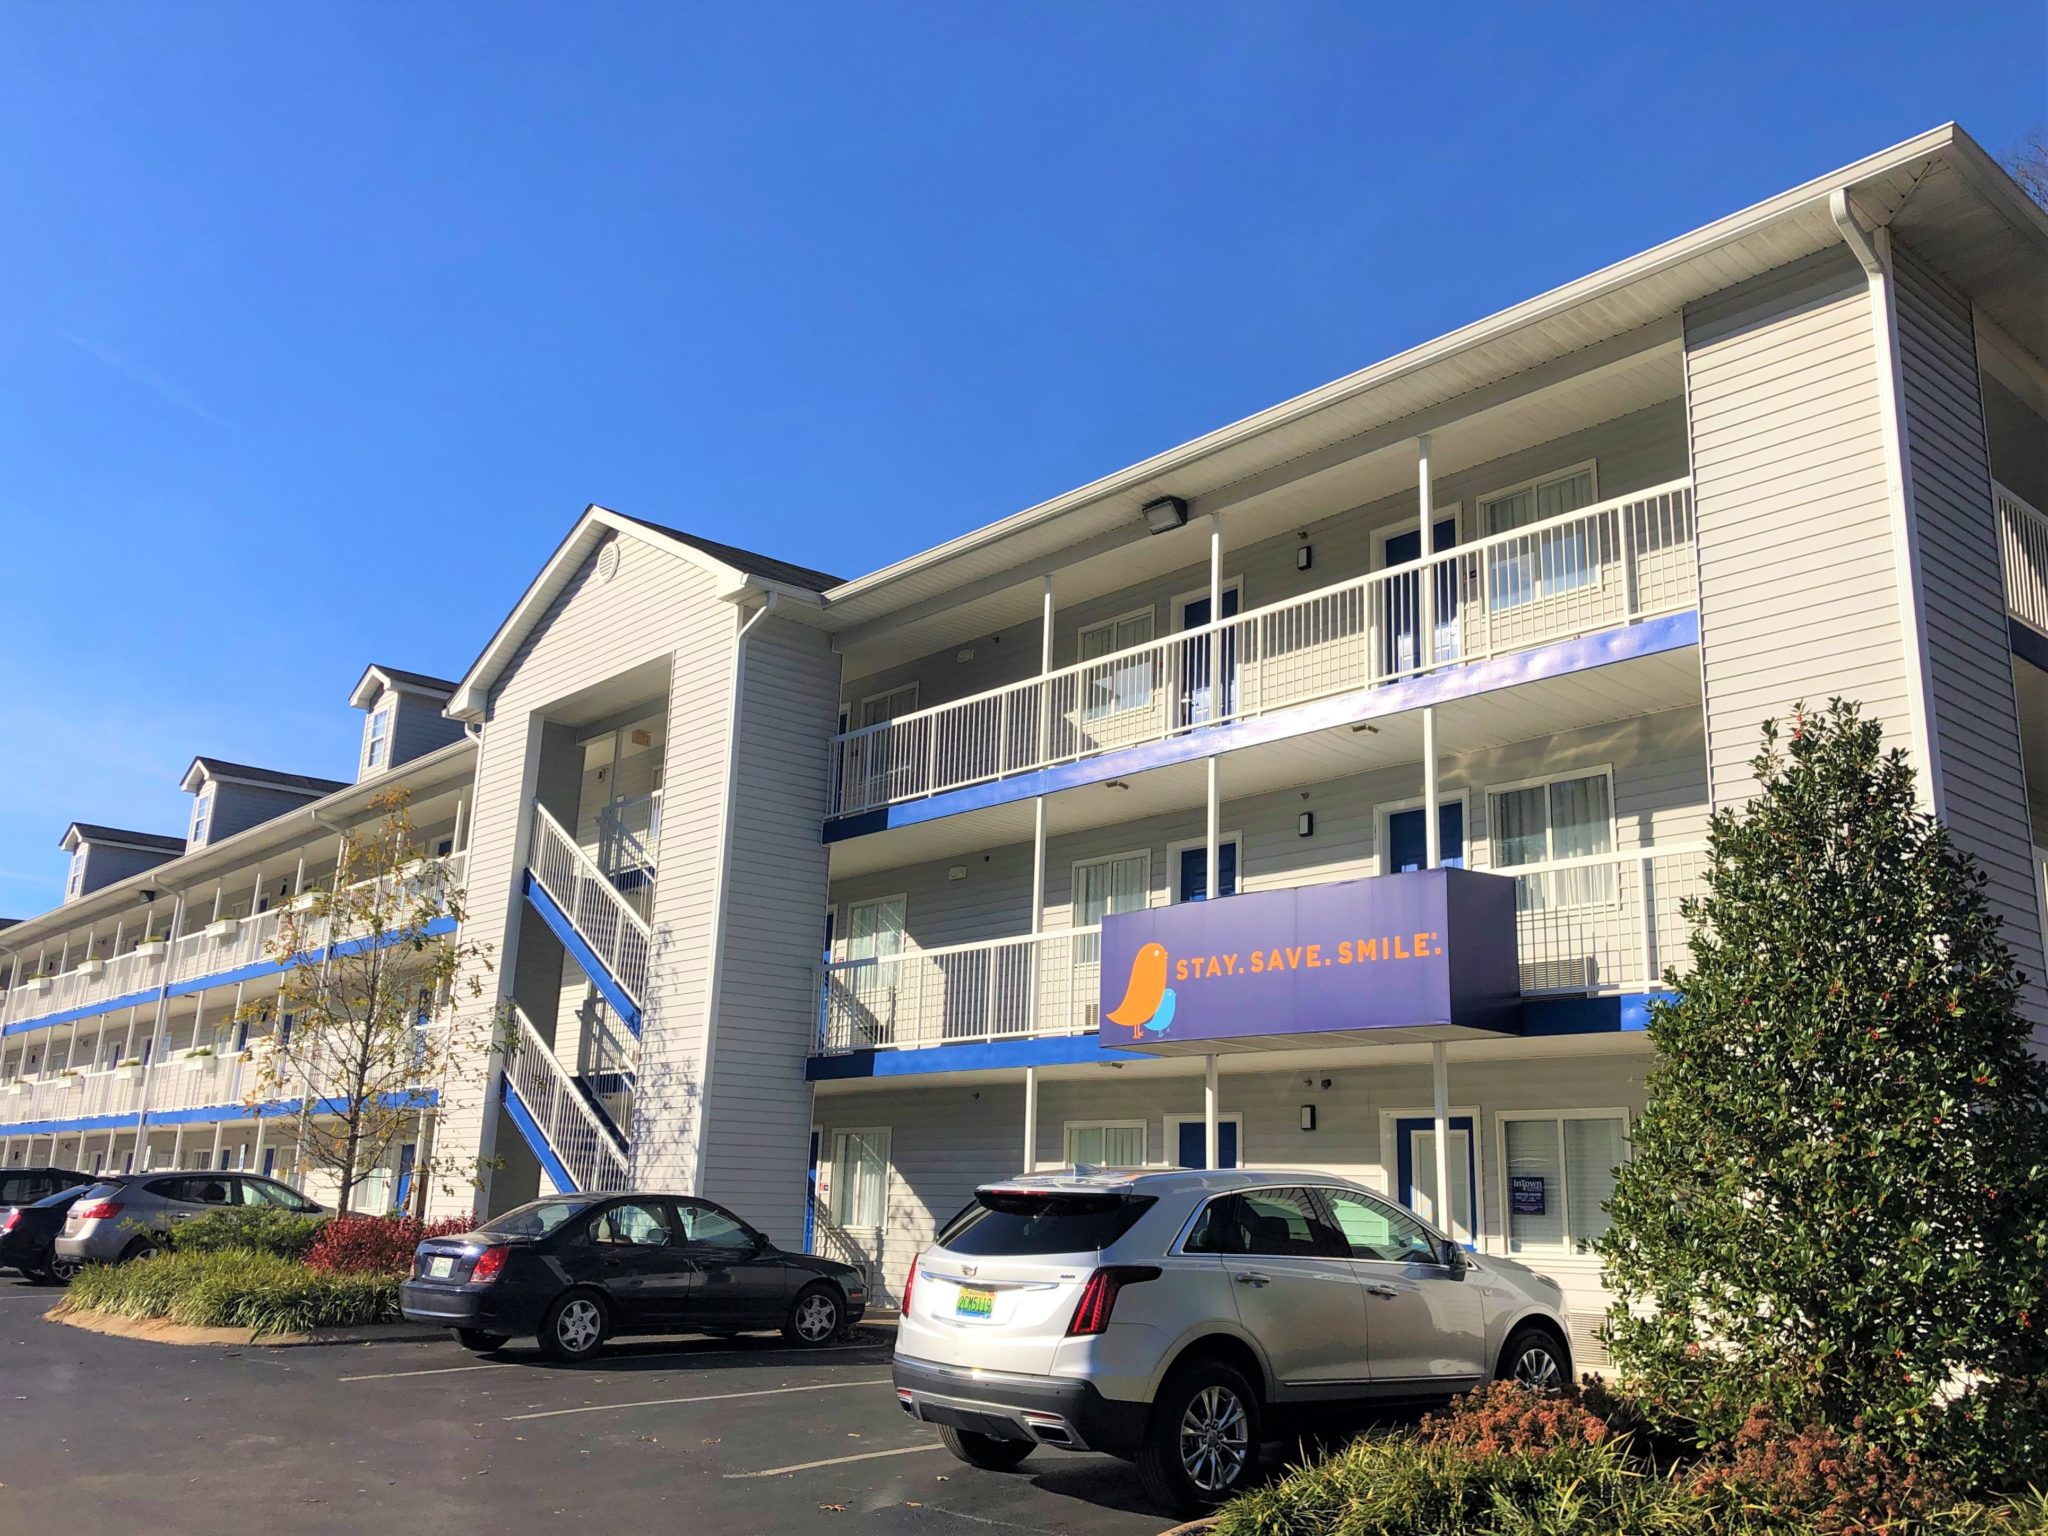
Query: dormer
[403, 718]
[102, 855]
[232, 797]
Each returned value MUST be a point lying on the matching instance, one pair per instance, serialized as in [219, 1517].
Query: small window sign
[1525, 1194]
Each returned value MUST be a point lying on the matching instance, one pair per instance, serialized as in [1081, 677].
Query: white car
[1172, 1317]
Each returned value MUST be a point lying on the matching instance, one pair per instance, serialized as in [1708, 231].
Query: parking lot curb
[157, 1330]
[1192, 1528]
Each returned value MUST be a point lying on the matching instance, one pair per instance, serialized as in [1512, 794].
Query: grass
[231, 1288]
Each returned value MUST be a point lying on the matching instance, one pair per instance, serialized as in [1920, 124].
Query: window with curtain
[860, 1178]
[1124, 685]
[1560, 1174]
[1563, 819]
[1103, 887]
[887, 706]
[1540, 565]
[1107, 1143]
[875, 929]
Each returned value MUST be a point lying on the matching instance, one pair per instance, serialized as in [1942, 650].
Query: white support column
[213, 1158]
[1215, 618]
[1213, 830]
[256, 1151]
[1432, 832]
[1030, 1118]
[1210, 1150]
[1425, 641]
[178, 1146]
[1038, 818]
[1447, 1207]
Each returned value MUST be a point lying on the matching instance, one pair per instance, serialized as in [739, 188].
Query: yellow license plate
[974, 1301]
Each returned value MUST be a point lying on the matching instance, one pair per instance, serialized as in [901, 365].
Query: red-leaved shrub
[1507, 1419]
[375, 1245]
[1841, 1483]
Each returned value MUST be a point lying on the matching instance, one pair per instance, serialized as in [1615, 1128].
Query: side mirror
[1455, 1260]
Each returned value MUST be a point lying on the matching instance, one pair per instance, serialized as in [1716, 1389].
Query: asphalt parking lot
[106, 1434]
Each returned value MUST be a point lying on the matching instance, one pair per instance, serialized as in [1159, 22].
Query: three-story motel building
[1321, 792]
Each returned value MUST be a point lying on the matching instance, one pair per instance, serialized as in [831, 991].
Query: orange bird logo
[1147, 1004]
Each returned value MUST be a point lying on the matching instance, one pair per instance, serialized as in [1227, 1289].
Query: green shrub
[231, 1288]
[285, 1234]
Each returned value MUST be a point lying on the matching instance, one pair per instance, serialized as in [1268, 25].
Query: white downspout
[722, 887]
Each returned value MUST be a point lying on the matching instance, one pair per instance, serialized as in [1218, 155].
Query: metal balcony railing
[1605, 923]
[594, 906]
[1598, 568]
[2023, 535]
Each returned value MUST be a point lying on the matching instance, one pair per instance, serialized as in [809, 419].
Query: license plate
[975, 1301]
[440, 1267]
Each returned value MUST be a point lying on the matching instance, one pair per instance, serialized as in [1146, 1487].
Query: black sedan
[576, 1270]
[28, 1235]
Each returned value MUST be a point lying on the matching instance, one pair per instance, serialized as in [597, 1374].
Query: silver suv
[127, 1217]
[1174, 1317]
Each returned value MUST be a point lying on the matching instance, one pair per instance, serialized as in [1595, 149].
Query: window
[377, 734]
[1548, 822]
[1379, 1232]
[74, 881]
[1560, 1172]
[202, 814]
[1102, 887]
[632, 1224]
[1106, 1143]
[875, 929]
[887, 706]
[860, 1178]
[1541, 565]
[1122, 685]
[706, 1226]
[1269, 1223]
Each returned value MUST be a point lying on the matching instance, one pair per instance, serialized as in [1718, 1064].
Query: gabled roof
[118, 837]
[740, 573]
[204, 768]
[377, 677]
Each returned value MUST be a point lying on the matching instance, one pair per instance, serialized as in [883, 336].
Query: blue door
[1407, 838]
[1194, 871]
[1194, 708]
[1415, 1168]
[1403, 617]
[1189, 1152]
[406, 1156]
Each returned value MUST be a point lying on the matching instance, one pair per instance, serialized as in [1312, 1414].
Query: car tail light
[1098, 1296]
[910, 1280]
[488, 1263]
[7, 1221]
[105, 1210]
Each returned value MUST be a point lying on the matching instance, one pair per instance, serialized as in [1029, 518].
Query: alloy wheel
[578, 1325]
[1537, 1369]
[1214, 1442]
[816, 1317]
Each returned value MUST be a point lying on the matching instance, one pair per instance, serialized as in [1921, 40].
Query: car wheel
[1201, 1440]
[574, 1327]
[148, 1246]
[815, 1317]
[37, 1276]
[62, 1271]
[985, 1451]
[477, 1339]
[1534, 1360]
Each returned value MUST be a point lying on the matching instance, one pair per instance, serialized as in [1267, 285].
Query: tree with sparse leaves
[380, 994]
[1837, 1202]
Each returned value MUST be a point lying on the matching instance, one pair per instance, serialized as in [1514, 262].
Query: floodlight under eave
[1165, 514]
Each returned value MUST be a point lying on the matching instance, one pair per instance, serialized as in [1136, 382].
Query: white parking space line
[833, 1461]
[675, 1402]
[439, 1370]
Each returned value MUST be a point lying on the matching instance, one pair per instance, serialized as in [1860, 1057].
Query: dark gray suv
[129, 1216]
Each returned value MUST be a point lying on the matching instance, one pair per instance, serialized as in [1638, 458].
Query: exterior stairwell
[578, 1121]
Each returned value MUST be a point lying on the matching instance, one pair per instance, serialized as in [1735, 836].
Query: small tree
[367, 1015]
[1838, 1199]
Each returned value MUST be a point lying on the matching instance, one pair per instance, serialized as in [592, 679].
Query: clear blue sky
[321, 322]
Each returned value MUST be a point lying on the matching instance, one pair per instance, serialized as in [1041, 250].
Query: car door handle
[1382, 1290]
[1251, 1277]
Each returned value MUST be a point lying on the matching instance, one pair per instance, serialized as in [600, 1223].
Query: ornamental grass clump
[230, 1288]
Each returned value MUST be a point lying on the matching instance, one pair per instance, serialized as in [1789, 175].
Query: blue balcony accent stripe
[529, 1128]
[2028, 643]
[1652, 637]
[1541, 1016]
[207, 1114]
[250, 972]
[599, 973]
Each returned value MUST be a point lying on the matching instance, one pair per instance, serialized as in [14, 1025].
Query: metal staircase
[578, 1122]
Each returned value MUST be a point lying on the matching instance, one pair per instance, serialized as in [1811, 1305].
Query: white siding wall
[1799, 570]
[1976, 716]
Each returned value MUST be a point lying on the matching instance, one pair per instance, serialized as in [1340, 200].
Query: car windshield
[536, 1219]
[1000, 1223]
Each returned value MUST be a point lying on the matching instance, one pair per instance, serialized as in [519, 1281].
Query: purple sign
[1525, 1194]
[1432, 950]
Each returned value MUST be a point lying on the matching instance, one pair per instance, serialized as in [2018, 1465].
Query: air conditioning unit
[1571, 975]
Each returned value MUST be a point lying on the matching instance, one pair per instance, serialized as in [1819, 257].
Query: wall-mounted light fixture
[1304, 556]
[1305, 824]
[1165, 514]
[1308, 1117]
